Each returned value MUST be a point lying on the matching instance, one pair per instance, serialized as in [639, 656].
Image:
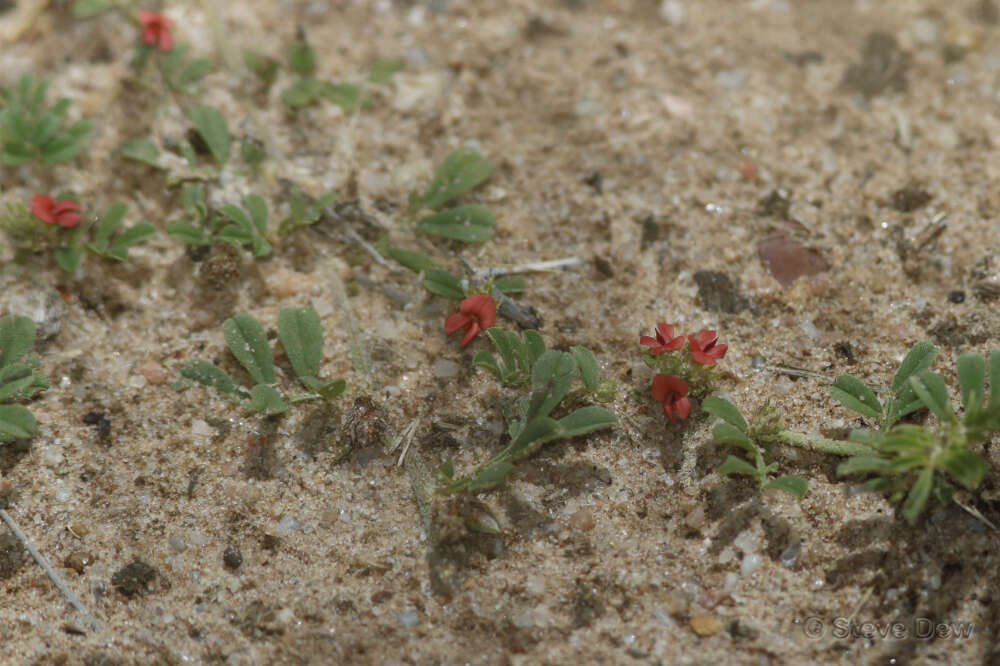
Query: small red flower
[156, 29]
[704, 349]
[664, 341]
[47, 209]
[476, 313]
[672, 392]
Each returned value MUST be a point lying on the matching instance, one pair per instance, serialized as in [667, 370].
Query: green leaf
[210, 374]
[193, 72]
[535, 345]
[17, 335]
[252, 151]
[511, 284]
[247, 341]
[131, 236]
[173, 59]
[589, 371]
[917, 360]
[484, 359]
[111, 220]
[972, 380]
[214, 129]
[16, 422]
[66, 145]
[142, 150]
[471, 223]
[68, 257]
[186, 232]
[381, 71]
[507, 345]
[734, 465]
[444, 284]
[551, 378]
[461, 171]
[302, 93]
[15, 379]
[266, 400]
[725, 410]
[535, 433]
[933, 392]
[347, 96]
[236, 214]
[484, 478]
[301, 335]
[412, 259]
[852, 393]
[258, 212]
[331, 389]
[262, 65]
[584, 420]
[795, 485]
[994, 380]
[917, 498]
[83, 9]
[302, 58]
[966, 467]
[727, 433]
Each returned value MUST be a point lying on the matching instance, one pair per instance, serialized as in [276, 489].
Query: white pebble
[747, 541]
[673, 12]
[445, 368]
[750, 564]
[408, 618]
[731, 79]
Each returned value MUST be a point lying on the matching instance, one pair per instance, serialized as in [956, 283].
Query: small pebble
[790, 555]
[673, 12]
[957, 296]
[177, 544]
[582, 520]
[705, 625]
[445, 368]
[750, 564]
[731, 79]
[154, 372]
[586, 107]
[232, 558]
[79, 560]
[408, 618]
[925, 30]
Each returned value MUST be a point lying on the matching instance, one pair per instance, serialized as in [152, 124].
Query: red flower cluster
[704, 348]
[156, 29]
[63, 213]
[476, 313]
[672, 392]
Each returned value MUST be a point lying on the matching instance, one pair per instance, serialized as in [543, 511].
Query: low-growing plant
[463, 170]
[248, 227]
[690, 371]
[918, 461]
[301, 336]
[20, 377]
[30, 130]
[733, 429]
[307, 89]
[530, 426]
[54, 224]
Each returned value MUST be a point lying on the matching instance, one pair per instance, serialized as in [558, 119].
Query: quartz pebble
[154, 372]
[408, 618]
[705, 625]
[445, 368]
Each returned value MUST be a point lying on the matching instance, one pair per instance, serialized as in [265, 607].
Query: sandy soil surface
[654, 141]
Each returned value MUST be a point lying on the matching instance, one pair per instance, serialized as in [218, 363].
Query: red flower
[156, 29]
[704, 349]
[47, 209]
[477, 313]
[672, 392]
[665, 340]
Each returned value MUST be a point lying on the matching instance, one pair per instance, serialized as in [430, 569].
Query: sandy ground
[623, 546]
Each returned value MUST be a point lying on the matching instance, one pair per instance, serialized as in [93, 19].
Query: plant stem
[837, 447]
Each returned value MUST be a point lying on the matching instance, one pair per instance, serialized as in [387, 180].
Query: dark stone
[910, 198]
[787, 259]
[986, 292]
[983, 11]
[650, 231]
[12, 556]
[133, 578]
[232, 558]
[882, 68]
[957, 296]
[102, 424]
[803, 58]
[197, 142]
[595, 181]
[718, 294]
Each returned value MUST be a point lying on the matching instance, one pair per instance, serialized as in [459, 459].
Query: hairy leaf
[247, 341]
